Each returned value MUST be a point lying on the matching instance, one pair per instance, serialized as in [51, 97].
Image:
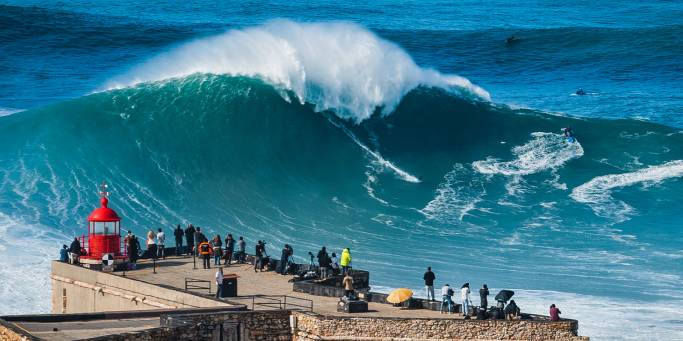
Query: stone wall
[79, 290]
[317, 327]
[254, 325]
[250, 325]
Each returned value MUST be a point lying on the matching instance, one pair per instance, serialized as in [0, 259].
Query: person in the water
[568, 132]
[580, 92]
[511, 40]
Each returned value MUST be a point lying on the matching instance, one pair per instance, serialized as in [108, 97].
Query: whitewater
[338, 66]
[368, 138]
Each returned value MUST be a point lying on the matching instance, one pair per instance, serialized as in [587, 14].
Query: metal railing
[201, 284]
[123, 248]
[275, 302]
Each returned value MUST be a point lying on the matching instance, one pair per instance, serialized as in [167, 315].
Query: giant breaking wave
[375, 153]
[338, 66]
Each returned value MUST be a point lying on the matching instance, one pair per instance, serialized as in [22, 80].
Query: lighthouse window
[104, 227]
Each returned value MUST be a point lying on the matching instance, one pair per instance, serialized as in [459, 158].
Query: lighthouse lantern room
[104, 233]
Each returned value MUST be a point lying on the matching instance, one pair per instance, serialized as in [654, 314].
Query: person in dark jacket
[74, 251]
[133, 249]
[429, 278]
[189, 237]
[259, 252]
[511, 310]
[229, 249]
[198, 237]
[64, 254]
[323, 262]
[178, 234]
[484, 296]
[284, 258]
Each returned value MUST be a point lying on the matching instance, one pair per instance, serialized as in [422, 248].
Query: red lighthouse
[104, 233]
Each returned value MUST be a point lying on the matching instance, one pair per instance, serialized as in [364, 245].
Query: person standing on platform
[229, 249]
[447, 298]
[345, 260]
[484, 296]
[334, 264]
[161, 244]
[178, 234]
[189, 237]
[323, 262]
[198, 237]
[429, 278]
[217, 246]
[74, 251]
[219, 283]
[151, 245]
[465, 296]
[311, 262]
[133, 250]
[205, 250]
[258, 253]
[242, 250]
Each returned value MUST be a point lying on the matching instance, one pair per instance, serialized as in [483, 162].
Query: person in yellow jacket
[205, 250]
[345, 260]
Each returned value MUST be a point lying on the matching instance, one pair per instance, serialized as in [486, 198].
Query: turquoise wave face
[482, 193]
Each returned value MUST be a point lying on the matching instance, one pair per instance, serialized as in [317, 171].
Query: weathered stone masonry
[312, 326]
[253, 326]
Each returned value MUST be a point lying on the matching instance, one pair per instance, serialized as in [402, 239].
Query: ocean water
[408, 131]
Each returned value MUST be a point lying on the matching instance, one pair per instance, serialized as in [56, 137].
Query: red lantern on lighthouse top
[104, 230]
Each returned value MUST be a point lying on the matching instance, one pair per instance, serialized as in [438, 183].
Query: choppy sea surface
[409, 131]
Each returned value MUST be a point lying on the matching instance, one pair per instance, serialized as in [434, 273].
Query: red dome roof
[103, 213]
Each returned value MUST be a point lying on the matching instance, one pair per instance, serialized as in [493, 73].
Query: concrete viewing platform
[173, 270]
[172, 300]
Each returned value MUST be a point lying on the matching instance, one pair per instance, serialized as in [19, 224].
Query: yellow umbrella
[399, 295]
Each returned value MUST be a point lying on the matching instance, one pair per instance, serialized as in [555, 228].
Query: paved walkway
[173, 270]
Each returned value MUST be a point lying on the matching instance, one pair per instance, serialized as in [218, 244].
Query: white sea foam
[545, 151]
[600, 318]
[24, 274]
[456, 196]
[8, 111]
[597, 193]
[335, 65]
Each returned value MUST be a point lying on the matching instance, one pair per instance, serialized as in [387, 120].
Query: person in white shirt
[446, 297]
[465, 296]
[151, 245]
[161, 241]
[219, 282]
